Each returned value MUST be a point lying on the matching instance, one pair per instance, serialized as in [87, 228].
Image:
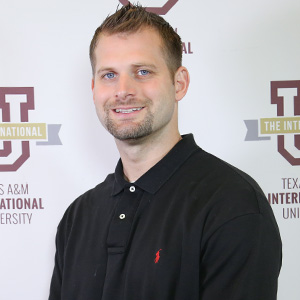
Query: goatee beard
[131, 130]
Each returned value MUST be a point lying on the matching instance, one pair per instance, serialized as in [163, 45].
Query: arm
[242, 260]
[56, 281]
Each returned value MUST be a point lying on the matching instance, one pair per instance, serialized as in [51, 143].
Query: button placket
[120, 226]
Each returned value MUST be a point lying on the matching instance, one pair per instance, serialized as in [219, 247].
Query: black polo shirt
[192, 227]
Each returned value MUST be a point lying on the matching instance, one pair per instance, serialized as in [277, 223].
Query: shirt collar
[154, 178]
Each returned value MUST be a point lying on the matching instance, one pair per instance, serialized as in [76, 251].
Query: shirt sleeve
[56, 281]
[241, 260]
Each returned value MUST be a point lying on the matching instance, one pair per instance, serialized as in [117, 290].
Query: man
[172, 222]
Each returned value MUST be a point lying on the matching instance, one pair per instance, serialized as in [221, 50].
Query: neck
[138, 156]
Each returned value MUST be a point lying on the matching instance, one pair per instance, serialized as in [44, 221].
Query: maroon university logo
[284, 94]
[286, 125]
[25, 103]
[164, 9]
[15, 130]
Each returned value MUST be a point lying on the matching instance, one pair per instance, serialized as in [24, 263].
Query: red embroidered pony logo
[157, 256]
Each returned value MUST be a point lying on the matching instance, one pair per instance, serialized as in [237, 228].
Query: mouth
[127, 110]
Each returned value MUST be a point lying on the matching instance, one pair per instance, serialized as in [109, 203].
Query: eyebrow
[136, 65]
[104, 70]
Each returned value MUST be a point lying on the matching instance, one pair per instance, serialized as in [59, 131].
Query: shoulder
[222, 191]
[219, 177]
[91, 197]
[87, 204]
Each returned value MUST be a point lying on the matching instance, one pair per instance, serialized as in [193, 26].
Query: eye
[143, 72]
[109, 75]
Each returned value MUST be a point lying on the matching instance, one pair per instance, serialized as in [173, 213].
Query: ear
[181, 81]
[93, 88]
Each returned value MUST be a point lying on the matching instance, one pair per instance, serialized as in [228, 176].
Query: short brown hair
[131, 18]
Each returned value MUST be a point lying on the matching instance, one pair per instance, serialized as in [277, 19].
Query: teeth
[127, 111]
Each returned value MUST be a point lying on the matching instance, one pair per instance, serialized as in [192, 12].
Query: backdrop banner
[243, 106]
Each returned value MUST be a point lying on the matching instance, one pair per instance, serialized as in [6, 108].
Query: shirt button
[132, 189]
[122, 216]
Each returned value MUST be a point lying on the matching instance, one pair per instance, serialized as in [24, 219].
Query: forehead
[142, 34]
[145, 43]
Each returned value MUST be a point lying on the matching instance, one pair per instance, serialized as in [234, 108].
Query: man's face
[132, 88]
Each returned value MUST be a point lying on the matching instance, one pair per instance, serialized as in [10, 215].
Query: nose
[125, 87]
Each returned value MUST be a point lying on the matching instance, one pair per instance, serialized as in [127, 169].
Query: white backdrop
[234, 50]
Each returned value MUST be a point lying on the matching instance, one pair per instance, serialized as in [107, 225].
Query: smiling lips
[127, 110]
